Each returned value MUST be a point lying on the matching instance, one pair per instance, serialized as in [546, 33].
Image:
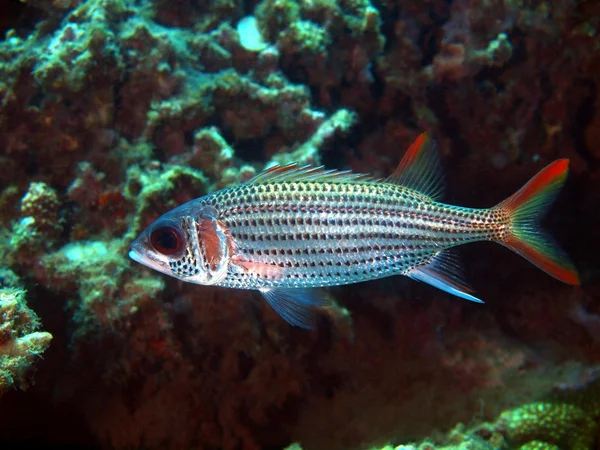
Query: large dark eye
[166, 240]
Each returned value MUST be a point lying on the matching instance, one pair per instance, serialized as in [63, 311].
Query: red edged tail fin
[525, 209]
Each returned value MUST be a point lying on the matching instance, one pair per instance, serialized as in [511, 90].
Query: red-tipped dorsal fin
[525, 208]
[420, 168]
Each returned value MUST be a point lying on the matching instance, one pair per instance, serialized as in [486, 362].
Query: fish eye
[166, 240]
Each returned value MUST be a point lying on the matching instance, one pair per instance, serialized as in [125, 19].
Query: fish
[292, 230]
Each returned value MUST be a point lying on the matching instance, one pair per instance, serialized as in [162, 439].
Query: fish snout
[136, 251]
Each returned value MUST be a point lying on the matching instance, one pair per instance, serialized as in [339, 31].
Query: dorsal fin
[420, 168]
[294, 172]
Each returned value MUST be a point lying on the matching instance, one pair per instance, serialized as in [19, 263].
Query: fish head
[187, 243]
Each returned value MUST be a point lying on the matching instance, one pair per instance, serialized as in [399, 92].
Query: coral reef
[21, 345]
[560, 425]
[114, 112]
[39, 226]
[566, 418]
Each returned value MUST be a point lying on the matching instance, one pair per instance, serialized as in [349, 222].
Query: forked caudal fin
[525, 209]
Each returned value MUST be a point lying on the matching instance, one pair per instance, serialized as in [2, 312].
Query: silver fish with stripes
[292, 230]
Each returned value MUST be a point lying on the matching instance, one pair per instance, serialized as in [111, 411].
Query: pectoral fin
[295, 305]
[443, 272]
[259, 269]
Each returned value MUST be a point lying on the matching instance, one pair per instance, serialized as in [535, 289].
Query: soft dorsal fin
[294, 173]
[420, 169]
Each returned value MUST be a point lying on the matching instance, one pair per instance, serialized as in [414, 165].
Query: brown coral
[42, 204]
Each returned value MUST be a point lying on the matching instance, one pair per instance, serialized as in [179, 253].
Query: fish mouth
[136, 256]
[137, 253]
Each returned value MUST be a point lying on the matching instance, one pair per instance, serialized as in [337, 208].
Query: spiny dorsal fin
[294, 173]
[420, 169]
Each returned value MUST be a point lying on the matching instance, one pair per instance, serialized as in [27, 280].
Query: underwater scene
[300, 224]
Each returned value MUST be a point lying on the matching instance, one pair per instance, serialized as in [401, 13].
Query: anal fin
[443, 272]
[295, 305]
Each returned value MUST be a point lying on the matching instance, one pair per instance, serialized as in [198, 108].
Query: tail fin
[525, 208]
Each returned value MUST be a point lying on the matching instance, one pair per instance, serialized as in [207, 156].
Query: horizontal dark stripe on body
[322, 234]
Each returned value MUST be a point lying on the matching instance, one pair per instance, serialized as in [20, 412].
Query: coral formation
[39, 226]
[550, 424]
[21, 344]
[114, 112]
[567, 420]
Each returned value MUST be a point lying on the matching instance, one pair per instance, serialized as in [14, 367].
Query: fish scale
[340, 233]
[292, 229]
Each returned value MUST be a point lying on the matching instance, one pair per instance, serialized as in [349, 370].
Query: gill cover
[209, 249]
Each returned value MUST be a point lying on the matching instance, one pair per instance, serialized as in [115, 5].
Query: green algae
[306, 36]
[153, 189]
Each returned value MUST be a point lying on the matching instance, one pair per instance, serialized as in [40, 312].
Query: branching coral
[142, 81]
